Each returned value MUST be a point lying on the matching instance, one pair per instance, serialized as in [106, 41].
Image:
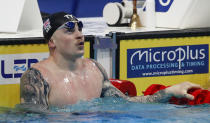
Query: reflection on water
[112, 110]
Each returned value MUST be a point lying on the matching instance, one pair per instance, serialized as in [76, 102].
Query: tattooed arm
[34, 89]
[109, 90]
[162, 96]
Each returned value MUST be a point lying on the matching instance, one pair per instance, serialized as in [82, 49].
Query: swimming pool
[113, 110]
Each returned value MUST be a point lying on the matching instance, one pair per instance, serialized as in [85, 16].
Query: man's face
[69, 42]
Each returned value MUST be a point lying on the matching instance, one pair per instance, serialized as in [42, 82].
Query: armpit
[33, 88]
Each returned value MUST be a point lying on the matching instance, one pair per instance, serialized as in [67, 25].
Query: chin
[80, 54]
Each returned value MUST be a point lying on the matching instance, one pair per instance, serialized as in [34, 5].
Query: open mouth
[81, 43]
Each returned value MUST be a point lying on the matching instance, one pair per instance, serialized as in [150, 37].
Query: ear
[51, 43]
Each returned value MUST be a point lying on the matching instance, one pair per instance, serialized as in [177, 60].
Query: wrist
[168, 92]
[163, 96]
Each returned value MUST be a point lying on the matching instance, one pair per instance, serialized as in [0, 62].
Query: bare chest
[70, 88]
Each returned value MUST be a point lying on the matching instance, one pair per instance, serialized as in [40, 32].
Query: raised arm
[34, 89]
[162, 96]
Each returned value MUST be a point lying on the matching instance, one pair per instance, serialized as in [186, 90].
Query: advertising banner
[14, 61]
[14, 65]
[165, 61]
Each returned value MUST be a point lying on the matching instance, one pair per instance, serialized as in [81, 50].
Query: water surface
[112, 110]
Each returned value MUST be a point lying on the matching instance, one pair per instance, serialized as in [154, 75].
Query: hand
[180, 90]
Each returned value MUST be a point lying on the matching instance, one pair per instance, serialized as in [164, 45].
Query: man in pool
[65, 77]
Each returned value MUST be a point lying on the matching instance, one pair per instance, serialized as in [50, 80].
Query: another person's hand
[180, 90]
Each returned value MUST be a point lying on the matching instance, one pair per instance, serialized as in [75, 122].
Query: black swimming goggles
[70, 26]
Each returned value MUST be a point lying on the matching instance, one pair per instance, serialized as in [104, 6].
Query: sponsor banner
[14, 61]
[163, 5]
[167, 61]
[14, 65]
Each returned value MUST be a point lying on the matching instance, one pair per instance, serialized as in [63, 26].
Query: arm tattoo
[33, 88]
[109, 90]
[159, 97]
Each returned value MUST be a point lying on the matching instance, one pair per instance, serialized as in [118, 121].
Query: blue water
[112, 110]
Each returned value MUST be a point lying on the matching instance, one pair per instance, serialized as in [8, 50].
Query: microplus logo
[192, 58]
[163, 5]
[178, 55]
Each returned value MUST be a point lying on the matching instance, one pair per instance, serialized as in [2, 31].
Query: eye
[70, 30]
[70, 25]
[80, 29]
[80, 25]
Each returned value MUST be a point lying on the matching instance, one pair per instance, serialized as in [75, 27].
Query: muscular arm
[34, 89]
[109, 90]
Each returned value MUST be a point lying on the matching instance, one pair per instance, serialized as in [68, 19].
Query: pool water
[112, 110]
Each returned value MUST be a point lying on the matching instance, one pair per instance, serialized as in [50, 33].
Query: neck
[67, 62]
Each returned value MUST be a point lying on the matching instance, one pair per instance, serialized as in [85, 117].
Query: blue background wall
[79, 8]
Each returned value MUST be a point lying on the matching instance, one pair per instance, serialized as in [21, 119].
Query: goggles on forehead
[70, 26]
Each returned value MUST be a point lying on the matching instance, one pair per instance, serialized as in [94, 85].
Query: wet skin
[65, 77]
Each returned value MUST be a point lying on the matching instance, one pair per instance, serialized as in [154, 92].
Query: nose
[78, 33]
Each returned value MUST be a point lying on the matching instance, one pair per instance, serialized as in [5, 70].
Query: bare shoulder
[33, 88]
[41, 64]
[107, 89]
[44, 67]
[101, 68]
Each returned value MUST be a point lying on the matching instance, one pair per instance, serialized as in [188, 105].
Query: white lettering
[180, 59]
[173, 54]
[179, 55]
[155, 58]
[202, 53]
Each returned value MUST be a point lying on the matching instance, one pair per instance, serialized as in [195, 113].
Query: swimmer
[65, 77]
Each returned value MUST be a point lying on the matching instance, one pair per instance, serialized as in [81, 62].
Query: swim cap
[54, 21]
